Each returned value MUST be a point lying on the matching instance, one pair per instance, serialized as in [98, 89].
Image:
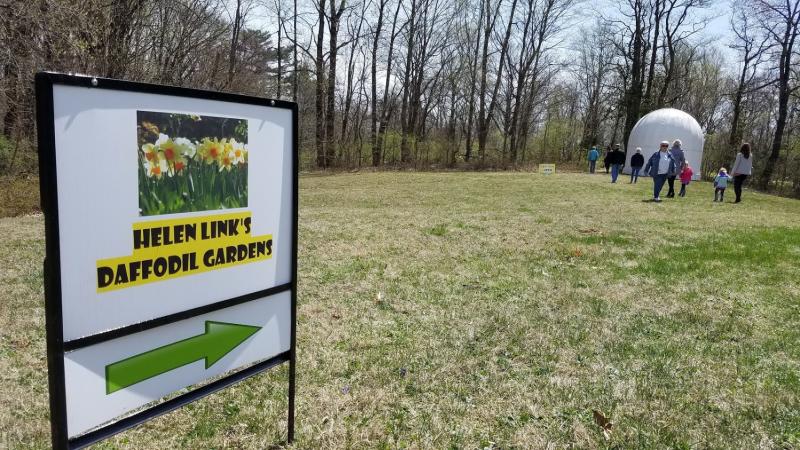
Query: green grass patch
[437, 230]
[754, 251]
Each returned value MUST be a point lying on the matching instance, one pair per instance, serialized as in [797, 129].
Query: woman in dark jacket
[680, 157]
[637, 161]
[607, 158]
[617, 162]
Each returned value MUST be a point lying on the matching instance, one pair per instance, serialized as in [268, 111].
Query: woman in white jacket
[742, 168]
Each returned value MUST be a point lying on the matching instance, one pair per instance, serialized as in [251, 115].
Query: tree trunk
[633, 96]
[486, 120]
[235, 30]
[330, 113]
[471, 96]
[280, 56]
[653, 53]
[294, 51]
[791, 16]
[320, 91]
[405, 155]
[350, 90]
[123, 13]
[376, 150]
[386, 111]
[777, 140]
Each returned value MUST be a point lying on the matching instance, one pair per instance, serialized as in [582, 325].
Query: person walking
[637, 161]
[617, 161]
[677, 154]
[742, 168]
[607, 158]
[594, 155]
[720, 184]
[686, 178]
[660, 166]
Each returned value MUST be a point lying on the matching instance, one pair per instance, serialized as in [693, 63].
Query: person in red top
[686, 178]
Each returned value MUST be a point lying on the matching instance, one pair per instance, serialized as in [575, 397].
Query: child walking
[686, 178]
[720, 183]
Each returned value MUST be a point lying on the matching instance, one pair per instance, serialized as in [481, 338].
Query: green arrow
[218, 340]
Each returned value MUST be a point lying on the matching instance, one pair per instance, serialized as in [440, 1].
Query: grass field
[475, 310]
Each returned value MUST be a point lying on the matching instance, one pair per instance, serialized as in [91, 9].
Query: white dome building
[667, 124]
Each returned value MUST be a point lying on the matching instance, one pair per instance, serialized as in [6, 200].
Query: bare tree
[319, 97]
[376, 38]
[472, 80]
[354, 36]
[405, 155]
[780, 19]
[486, 113]
[677, 28]
[750, 46]
[594, 59]
[333, 18]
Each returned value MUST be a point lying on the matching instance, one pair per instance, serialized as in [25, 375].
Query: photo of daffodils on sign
[191, 163]
[187, 163]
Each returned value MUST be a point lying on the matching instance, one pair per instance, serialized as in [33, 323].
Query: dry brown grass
[19, 195]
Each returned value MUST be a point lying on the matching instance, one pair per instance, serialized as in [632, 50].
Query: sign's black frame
[56, 346]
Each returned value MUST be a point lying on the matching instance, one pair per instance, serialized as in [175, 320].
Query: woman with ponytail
[742, 168]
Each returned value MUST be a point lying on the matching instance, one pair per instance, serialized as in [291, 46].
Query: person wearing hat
[677, 154]
[617, 161]
[637, 161]
[660, 166]
[594, 155]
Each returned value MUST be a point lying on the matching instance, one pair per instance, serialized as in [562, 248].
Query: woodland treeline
[438, 83]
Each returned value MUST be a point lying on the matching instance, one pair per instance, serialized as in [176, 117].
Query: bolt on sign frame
[136, 304]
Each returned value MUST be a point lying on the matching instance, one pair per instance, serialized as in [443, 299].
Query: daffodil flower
[162, 138]
[169, 150]
[227, 145]
[185, 147]
[150, 152]
[210, 150]
[240, 154]
[177, 166]
[226, 162]
[157, 168]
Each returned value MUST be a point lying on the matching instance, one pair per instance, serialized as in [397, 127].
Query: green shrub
[18, 157]
[6, 152]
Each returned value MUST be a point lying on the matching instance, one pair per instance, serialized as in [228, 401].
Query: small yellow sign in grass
[547, 169]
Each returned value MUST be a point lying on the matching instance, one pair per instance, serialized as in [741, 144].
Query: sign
[171, 247]
[547, 169]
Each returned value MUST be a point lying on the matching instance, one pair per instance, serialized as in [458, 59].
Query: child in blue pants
[720, 184]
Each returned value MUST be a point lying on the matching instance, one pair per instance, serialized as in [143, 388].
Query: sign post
[171, 247]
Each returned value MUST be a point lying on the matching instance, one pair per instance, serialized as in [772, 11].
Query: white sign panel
[183, 199]
[171, 229]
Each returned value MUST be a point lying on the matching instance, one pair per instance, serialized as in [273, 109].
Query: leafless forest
[468, 84]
